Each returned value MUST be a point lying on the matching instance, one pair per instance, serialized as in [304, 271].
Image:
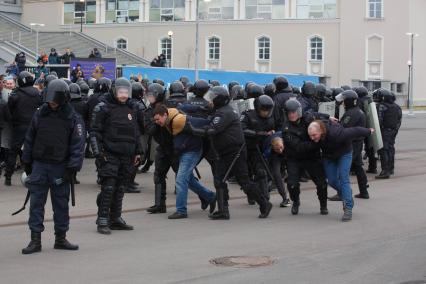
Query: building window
[166, 49]
[265, 9]
[214, 48]
[76, 12]
[316, 9]
[122, 11]
[316, 48]
[167, 10]
[264, 48]
[375, 9]
[216, 10]
[121, 43]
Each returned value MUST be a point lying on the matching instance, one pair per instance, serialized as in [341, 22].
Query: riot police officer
[390, 117]
[258, 125]
[354, 117]
[77, 102]
[321, 93]
[115, 142]
[254, 91]
[22, 105]
[283, 93]
[302, 154]
[228, 142]
[364, 99]
[307, 98]
[200, 107]
[269, 90]
[53, 153]
[176, 95]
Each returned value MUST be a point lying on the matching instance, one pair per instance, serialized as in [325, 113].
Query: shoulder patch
[216, 119]
[79, 129]
[99, 106]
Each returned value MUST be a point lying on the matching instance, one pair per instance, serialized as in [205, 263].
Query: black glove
[28, 168]
[69, 175]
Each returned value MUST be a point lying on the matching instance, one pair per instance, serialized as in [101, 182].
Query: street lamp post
[170, 34]
[411, 74]
[36, 25]
[81, 17]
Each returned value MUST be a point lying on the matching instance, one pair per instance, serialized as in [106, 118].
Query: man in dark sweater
[336, 145]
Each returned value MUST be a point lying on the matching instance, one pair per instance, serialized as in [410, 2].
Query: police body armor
[121, 136]
[52, 139]
[391, 118]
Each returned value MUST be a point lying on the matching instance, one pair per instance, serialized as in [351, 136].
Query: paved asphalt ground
[385, 242]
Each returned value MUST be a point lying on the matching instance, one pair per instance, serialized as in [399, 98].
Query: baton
[198, 173]
[233, 162]
[25, 203]
[265, 165]
[72, 192]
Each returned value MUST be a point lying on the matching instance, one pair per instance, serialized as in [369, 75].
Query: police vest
[51, 144]
[121, 124]
[391, 118]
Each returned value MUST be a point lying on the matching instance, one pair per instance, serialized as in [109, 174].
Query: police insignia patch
[79, 130]
[216, 120]
[129, 116]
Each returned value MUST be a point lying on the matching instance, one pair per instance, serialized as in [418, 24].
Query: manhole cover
[243, 261]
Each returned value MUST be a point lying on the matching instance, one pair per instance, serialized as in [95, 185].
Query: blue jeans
[185, 179]
[337, 172]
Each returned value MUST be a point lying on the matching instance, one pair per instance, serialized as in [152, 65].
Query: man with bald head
[336, 145]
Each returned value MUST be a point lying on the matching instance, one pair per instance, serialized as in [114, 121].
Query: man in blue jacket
[53, 153]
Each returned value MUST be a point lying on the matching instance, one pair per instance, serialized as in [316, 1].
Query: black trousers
[357, 165]
[387, 153]
[276, 161]
[18, 138]
[315, 169]
[163, 162]
[240, 171]
[257, 171]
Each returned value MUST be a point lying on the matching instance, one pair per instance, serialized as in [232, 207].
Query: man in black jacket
[336, 145]
[282, 94]
[22, 104]
[302, 154]
[390, 117]
[354, 117]
[228, 142]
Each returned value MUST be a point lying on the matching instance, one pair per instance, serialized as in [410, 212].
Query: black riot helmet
[58, 92]
[201, 87]
[122, 85]
[176, 88]
[385, 96]
[361, 91]
[264, 104]
[54, 74]
[269, 90]
[296, 90]
[184, 80]
[308, 89]
[218, 95]
[156, 91]
[232, 84]
[68, 81]
[158, 81]
[137, 90]
[102, 85]
[84, 88]
[293, 105]
[329, 93]
[254, 91]
[281, 83]
[214, 83]
[336, 91]
[92, 83]
[320, 90]
[25, 79]
[49, 78]
[237, 93]
[75, 91]
[346, 87]
[348, 97]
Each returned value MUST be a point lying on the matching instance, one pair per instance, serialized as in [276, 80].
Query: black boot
[160, 203]
[223, 211]
[104, 204]
[62, 243]
[34, 245]
[383, 175]
[335, 198]
[363, 192]
[295, 207]
[266, 210]
[323, 207]
[120, 224]
[221, 215]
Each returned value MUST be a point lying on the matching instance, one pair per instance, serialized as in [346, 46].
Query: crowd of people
[127, 125]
